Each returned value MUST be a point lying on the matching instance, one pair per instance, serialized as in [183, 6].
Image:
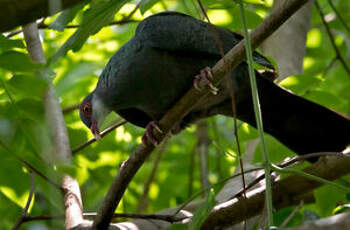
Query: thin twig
[292, 214]
[41, 217]
[29, 201]
[341, 19]
[103, 133]
[42, 26]
[41, 175]
[70, 108]
[31, 167]
[199, 193]
[91, 216]
[332, 39]
[167, 218]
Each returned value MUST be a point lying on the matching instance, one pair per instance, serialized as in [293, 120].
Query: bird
[155, 68]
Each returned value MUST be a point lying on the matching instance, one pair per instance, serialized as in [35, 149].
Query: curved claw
[205, 78]
[149, 137]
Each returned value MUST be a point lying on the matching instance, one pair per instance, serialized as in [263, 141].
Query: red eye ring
[86, 109]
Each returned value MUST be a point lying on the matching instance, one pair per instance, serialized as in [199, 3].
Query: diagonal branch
[29, 201]
[103, 133]
[234, 57]
[286, 192]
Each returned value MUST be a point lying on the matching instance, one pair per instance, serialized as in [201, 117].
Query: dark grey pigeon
[147, 75]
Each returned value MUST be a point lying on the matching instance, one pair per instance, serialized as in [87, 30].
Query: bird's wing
[184, 34]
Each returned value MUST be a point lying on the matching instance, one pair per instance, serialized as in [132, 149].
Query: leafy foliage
[24, 133]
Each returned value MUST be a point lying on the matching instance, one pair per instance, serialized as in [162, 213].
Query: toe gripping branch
[152, 133]
[205, 78]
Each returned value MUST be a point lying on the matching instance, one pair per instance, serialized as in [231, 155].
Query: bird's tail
[301, 125]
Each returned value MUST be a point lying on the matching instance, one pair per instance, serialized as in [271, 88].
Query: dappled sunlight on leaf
[20, 200]
[314, 38]
[154, 191]
[219, 17]
[308, 62]
[122, 135]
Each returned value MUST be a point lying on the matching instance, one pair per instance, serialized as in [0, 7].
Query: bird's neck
[100, 110]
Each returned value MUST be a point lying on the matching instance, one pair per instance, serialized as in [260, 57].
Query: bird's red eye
[87, 109]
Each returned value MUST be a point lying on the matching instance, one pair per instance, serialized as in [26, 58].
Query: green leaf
[31, 109]
[8, 44]
[66, 17]
[27, 85]
[17, 62]
[253, 19]
[327, 197]
[95, 18]
[203, 211]
[147, 4]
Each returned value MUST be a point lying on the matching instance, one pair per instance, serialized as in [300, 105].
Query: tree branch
[286, 192]
[336, 222]
[103, 133]
[58, 129]
[45, 26]
[234, 57]
[29, 201]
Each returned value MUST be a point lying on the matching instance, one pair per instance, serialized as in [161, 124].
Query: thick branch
[184, 105]
[54, 116]
[336, 222]
[14, 13]
[286, 192]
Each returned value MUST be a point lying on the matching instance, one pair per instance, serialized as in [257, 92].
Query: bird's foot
[205, 78]
[150, 136]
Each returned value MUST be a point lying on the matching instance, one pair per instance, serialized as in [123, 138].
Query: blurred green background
[23, 130]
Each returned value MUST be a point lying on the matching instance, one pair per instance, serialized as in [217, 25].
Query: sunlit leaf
[97, 16]
[66, 17]
[7, 44]
[147, 4]
[27, 85]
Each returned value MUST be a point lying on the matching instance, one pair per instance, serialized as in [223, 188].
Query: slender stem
[341, 19]
[267, 164]
[29, 201]
[332, 39]
[309, 176]
[233, 101]
[103, 133]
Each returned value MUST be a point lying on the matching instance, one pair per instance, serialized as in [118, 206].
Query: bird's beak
[95, 131]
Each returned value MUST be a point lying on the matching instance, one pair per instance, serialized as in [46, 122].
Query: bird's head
[92, 113]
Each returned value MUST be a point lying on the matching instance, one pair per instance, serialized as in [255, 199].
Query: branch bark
[15, 13]
[234, 57]
[337, 222]
[58, 129]
[286, 192]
